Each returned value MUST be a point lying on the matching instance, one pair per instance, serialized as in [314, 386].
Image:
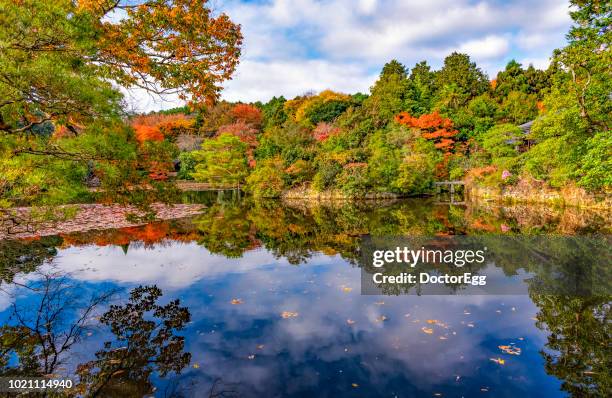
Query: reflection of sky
[318, 353]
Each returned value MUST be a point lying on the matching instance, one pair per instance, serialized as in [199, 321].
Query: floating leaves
[236, 301]
[354, 385]
[289, 314]
[427, 330]
[498, 361]
[196, 365]
[510, 349]
[381, 318]
[346, 289]
[350, 321]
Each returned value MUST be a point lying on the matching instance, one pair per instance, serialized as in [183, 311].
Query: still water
[263, 300]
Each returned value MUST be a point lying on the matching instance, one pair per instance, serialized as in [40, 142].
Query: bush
[326, 175]
[187, 166]
[267, 180]
[353, 179]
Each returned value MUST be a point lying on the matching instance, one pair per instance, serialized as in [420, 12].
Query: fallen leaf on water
[509, 349]
[350, 321]
[236, 301]
[196, 365]
[381, 318]
[380, 303]
[289, 314]
[427, 330]
[260, 346]
[347, 289]
[498, 361]
[355, 385]
[430, 321]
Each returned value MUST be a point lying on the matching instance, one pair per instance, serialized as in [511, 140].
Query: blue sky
[295, 46]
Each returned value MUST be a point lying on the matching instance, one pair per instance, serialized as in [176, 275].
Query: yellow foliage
[299, 107]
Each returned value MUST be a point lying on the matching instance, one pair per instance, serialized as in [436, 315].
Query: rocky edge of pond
[15, 224]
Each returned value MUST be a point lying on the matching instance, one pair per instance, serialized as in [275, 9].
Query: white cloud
[261, 80]
[488, 47]
[293, 46]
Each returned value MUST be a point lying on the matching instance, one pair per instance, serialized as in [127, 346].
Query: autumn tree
[248, 114]
[61, 62]
[432, 127]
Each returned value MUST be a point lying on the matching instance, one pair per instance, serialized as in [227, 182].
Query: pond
[263, 299]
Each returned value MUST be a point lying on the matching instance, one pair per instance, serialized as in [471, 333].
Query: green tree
[423, 88]
[222, 160]
[518, 107]
[389, 95]
[464, 76]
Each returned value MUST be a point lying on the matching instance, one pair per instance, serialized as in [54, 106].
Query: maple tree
[433, 127]
[167, 47]
[248, 114]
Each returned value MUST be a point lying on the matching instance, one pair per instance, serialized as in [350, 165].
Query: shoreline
[88, 217]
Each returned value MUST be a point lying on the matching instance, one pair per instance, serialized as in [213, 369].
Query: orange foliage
[183, 45]
[156, 127]
[493, 83]
[149, 234]
[541, 106]
[433, 127]
[247, 114]
[148, 133]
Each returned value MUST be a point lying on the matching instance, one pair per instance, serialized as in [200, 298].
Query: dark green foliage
[274, 112]
[327, 111]
[463, 75]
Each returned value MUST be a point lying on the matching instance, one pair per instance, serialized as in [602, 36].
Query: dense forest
[64, 128]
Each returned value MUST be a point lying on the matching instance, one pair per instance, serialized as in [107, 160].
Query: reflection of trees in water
[44, 331]
[39, 336]
[25, 255]
[144, 342]
[578, 350]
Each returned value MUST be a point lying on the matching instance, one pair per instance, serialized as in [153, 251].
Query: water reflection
[43, 333]
[250, 323]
